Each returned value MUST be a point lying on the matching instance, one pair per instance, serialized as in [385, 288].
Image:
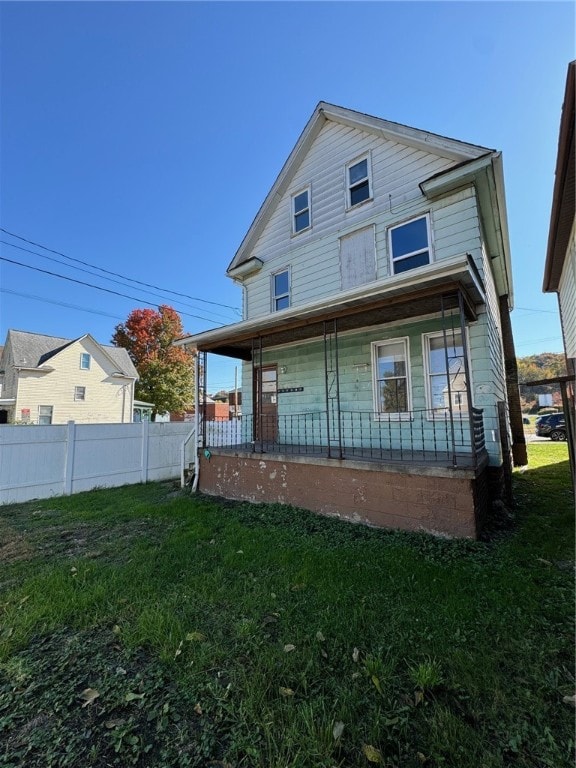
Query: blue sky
[142, 137]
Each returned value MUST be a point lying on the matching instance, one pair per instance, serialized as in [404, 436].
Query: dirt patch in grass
[72, 693]
[81, 540]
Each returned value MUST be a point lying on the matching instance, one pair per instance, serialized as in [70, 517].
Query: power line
[60, 303]
[117, 274]
[89, 272]
[97, 287]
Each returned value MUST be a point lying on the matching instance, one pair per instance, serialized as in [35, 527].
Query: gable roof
[459, 151]
[31, 350]
[564, 197]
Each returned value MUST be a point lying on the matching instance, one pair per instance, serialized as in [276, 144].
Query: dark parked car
[552, 425]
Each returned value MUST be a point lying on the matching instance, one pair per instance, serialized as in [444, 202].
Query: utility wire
[101, 277]
[117, 274]
[60, 303]
[97, 287]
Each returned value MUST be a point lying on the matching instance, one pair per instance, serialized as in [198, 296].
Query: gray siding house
[378, 363]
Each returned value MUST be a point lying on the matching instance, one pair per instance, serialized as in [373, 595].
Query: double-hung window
[85, 361]
[45, 414]
[446, 374]
[358, 181]
[410, 244]
[79, 393]
[281, 290]
[301, 215]
[391, 369]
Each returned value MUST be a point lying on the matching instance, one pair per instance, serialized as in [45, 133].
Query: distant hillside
[546, 365]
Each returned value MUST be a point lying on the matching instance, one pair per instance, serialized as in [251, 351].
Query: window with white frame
[85, 361]
[281, 290]
[391, 376]
[410, 244]
[79, 393]
[446, 374]
[301, 214]
[45, 414]
[358, 181]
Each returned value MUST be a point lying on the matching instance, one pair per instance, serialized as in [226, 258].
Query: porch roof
[398, 297]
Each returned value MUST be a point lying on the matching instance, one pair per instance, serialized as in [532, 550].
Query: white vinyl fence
[42, 461]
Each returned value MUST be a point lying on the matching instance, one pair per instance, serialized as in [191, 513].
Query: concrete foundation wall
[434, 499]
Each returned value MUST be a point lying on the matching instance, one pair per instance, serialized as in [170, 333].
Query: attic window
[358, 182]
[85, 361]
[301, 211]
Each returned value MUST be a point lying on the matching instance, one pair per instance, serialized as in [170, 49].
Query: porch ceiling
[394, 300]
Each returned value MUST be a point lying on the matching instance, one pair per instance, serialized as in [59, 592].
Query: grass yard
[144, 627]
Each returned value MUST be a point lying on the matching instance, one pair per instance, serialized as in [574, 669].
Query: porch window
[45, 414]
[390, 368]
[446, 374]
[301, 218]
[410, 244]
[85, 361]
[79, 393]
[281, 290]
[358, 181]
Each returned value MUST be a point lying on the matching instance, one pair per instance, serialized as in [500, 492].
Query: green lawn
[141, 626]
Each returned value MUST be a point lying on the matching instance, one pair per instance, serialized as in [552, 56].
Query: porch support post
[447, 362]
[260, 396]
[334, 432]
[326, 387]
[467, 376]
[519, 454]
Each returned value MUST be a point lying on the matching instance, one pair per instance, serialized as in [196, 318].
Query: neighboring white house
[560, 266]
[378, 373]
[50, 380]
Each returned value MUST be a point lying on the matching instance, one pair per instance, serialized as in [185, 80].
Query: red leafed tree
[166, 372]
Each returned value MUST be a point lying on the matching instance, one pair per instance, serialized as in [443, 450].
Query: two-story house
[379, 370]
[50, 380]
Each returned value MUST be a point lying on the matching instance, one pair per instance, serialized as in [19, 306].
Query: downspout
[519, 454]
[196, 421]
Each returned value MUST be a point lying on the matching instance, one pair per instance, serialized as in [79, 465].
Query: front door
[266, 404]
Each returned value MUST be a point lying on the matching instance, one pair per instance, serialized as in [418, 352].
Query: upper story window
[410, 244]
[79, 393]
[301, 218]
[390, 367]
[358, 181]
[281, 290]
[85, 361]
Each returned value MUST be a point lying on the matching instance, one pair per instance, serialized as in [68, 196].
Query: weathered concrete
[435, 499]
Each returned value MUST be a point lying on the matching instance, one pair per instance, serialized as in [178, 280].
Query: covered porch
[335, 423]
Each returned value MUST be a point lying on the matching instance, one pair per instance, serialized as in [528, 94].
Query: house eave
[486, 174]
[406, 293]
[563, 211]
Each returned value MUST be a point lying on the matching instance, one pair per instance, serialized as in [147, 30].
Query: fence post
[69, 458]
[145, 441]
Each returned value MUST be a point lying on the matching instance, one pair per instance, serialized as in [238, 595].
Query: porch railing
[425, 436]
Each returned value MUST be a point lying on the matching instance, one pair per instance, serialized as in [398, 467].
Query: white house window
[301, 218]
[85, 361]
[358, 181]
[45, 414]
[446, 374]
[79, 393]
[281, 290]
[410, 244]
[390, 366]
